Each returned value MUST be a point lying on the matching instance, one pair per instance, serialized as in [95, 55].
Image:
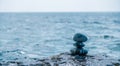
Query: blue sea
[38, 35]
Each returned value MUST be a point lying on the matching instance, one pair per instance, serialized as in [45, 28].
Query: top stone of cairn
[78, 37]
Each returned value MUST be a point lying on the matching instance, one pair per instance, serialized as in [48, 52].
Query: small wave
[107, 36]
[116, 21]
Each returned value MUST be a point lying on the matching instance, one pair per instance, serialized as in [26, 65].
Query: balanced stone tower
[79, 50]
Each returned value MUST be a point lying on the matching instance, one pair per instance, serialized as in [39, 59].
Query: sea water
[38, 35]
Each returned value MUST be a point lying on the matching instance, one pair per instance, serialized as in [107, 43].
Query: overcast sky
[59, 5]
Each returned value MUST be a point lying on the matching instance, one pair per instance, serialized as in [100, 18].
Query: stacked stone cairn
[79, 50]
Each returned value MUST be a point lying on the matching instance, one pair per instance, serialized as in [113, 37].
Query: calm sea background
[38, 35]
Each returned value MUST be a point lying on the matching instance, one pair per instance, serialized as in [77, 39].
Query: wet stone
[79, 50]
[69, 60]
[78, 37]
[79, 45]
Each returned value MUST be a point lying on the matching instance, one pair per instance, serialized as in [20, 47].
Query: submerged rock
[108, 36]
[65, 59]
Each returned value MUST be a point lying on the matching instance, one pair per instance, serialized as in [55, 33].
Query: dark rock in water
[80, 37]
[107, 36]
[65, 59]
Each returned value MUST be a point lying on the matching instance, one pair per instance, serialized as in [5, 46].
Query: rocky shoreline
[65, 59]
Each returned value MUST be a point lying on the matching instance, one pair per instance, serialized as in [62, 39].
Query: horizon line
[58, 11]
